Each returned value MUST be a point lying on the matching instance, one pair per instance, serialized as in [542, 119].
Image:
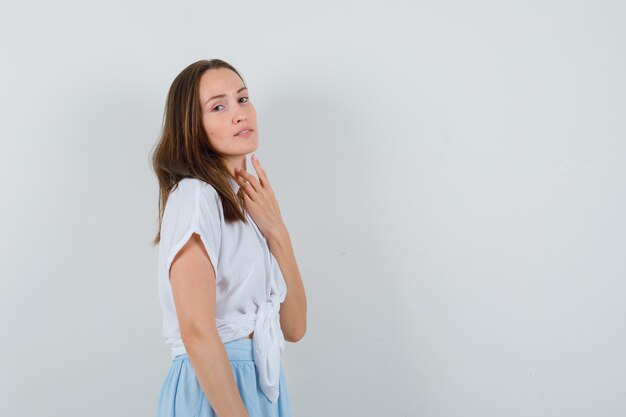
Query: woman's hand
[259, 199]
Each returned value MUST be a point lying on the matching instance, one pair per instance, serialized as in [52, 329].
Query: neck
[238, 162]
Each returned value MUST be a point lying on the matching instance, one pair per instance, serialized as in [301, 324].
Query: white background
[452, 174]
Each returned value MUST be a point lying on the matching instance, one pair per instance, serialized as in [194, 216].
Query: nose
[240, 115]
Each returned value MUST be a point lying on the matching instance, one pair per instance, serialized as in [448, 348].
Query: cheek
[217, 133]
[211, 129]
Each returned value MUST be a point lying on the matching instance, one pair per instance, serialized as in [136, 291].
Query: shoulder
[192, 195]
[193, 188]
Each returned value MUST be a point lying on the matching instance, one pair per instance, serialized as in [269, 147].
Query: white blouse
[249, 284]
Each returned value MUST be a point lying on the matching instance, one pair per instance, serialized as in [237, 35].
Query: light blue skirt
[182, 396]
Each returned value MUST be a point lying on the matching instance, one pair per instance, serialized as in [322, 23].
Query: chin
[254, 143]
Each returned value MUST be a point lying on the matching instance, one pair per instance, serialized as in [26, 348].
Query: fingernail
[254, 157]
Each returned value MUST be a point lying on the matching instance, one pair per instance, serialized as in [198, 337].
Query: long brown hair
[184, 150]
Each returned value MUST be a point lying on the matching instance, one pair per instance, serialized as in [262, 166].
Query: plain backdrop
[452, 175]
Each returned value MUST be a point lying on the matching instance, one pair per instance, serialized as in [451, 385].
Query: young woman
[229, 285]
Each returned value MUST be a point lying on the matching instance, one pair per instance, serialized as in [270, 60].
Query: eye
[219, 105]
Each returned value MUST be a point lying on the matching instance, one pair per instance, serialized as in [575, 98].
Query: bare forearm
[293, 309]
[210, 363]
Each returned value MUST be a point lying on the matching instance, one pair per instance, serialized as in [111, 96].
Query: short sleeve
[192, 207]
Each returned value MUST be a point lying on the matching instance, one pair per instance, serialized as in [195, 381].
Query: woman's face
[224, 116]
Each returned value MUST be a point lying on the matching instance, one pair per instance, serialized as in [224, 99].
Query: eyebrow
[224, 95]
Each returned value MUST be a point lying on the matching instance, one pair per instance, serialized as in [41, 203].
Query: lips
[242, 130]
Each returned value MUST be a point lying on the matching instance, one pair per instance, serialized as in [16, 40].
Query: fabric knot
[268, 342]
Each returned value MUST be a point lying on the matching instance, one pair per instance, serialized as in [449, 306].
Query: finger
[244, 196]
[265, 183]
[243, 186]
[259, 171]
[247, 200]
[254, 183]
[246, 189]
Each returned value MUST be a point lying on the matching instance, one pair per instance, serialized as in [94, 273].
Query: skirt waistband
[236, 350]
